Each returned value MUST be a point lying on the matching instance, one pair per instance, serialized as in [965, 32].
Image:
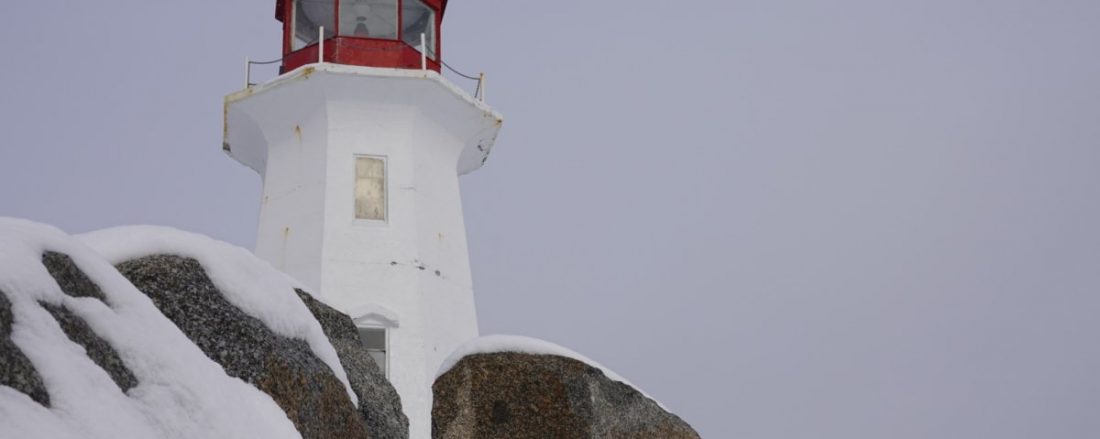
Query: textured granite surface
[69, 277]
[300, 383]
[97, 349]
[514, 395]
[379, 403]
[16, 371]
[75, 283]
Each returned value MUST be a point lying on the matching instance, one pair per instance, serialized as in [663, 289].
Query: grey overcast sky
[783, 219]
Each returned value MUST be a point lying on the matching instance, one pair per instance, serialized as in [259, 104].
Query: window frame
[385, 345]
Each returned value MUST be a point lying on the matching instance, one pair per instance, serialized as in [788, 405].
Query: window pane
[370, 188]
[379, 359]
[373, 338]
[417, 18]
[369, 18]
[309, 15]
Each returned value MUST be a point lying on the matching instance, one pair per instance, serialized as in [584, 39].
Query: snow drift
[179, 392]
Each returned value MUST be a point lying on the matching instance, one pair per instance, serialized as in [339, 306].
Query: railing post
[321, 45]
[423, 52]
[481, 86]
[247, 72]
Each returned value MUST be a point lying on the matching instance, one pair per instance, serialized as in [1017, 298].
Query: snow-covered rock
[244, 281]
[153, 332]
[186, 338]
[519, 387]
[76, 370]
[379, 404]
[285, 368]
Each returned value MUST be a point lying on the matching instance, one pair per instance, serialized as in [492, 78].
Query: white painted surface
[302, 132]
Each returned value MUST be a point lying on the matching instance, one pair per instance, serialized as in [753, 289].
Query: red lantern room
[373, 33]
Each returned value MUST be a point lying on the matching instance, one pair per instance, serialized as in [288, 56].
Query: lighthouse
[360, 142]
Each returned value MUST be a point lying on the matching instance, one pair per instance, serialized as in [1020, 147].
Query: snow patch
[180, 392]
[248, 282]
[526, 345]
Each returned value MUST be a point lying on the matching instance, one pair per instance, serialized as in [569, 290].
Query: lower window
[374, 340]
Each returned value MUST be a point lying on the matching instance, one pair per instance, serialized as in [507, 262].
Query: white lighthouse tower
[360, 144]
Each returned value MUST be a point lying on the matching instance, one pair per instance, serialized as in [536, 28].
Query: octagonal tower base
[407, 270]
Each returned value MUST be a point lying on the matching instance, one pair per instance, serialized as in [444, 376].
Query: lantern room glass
[309, 15]
[418, 18]
[395, 20]
[368, 18]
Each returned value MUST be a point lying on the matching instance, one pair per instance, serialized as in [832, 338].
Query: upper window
[370, 188]
[309, 16]
[368, 18]
[416, 19]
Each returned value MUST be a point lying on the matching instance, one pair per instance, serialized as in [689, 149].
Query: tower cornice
[241, 143]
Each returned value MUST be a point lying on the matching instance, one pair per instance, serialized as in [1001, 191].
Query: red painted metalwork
[359, 51]
[282, 6]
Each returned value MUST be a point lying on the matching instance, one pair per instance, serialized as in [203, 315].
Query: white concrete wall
[302, 132]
